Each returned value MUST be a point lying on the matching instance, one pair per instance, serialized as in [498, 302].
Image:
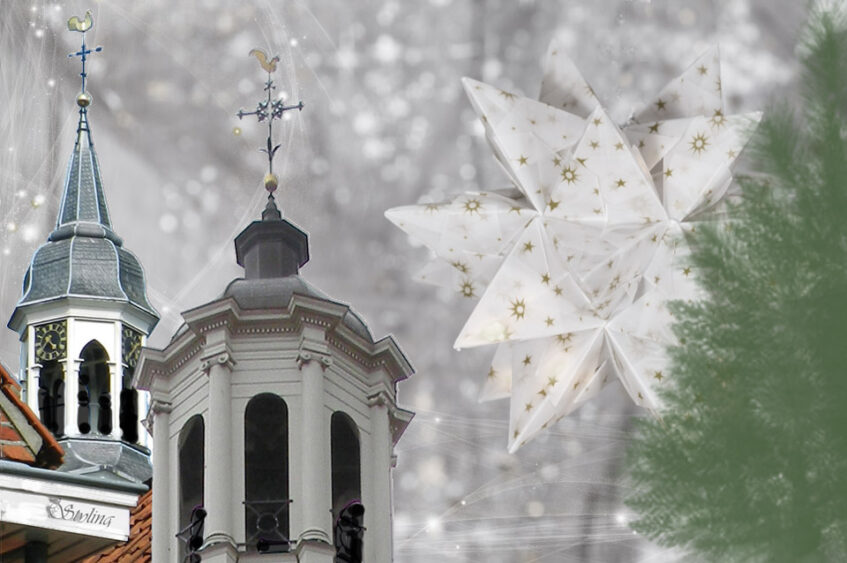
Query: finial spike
[269, 109]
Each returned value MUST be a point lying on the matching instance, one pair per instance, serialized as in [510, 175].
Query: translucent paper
[573, 271]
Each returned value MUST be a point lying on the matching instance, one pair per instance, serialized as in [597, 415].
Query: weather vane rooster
[268, 110]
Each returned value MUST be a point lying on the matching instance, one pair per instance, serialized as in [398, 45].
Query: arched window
[346, 462]
[266, 469]
[51, 396]
[191, 468]
[94, 396]
[128, 414]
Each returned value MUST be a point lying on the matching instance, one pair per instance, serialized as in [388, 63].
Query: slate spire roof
[83, 201]
[83, 257]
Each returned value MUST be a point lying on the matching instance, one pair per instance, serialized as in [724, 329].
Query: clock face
[51, 341]
[131, 346]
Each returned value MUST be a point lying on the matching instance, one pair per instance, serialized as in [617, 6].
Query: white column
[218, 475]
[378, 515]
[32, 382]
[162, 528]
[315, 498]
[71, 366]
[115, 376]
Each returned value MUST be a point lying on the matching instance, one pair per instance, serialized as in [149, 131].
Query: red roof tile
[139, 546]
[23, 437]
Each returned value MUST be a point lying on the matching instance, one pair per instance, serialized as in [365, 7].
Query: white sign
[64, 514]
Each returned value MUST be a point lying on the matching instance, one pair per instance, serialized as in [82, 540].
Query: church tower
[275, 410]
[82, 319]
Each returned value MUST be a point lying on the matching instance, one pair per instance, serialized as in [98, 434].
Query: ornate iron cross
[268, 110]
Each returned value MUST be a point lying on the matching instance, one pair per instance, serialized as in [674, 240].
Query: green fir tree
[749, 459]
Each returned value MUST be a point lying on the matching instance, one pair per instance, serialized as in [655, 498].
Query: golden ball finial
[83, 100]
[271, 182]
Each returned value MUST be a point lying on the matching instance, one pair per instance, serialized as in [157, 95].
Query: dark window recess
[191, 464]
[94, 399]
[266, 473]
[51, 396]
[346, 462]
[349, 532]
[128, 413]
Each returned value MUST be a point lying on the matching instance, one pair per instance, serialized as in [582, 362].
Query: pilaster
[160, 419]
[378, 516]
[316, 493]
[218, 476]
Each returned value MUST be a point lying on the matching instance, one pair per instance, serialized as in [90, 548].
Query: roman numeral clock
[51, 341]
[130, 346]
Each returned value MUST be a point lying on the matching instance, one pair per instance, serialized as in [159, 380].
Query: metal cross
[81, 26]
[268, 110]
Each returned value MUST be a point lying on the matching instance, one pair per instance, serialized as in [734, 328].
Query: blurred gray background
[385, 124]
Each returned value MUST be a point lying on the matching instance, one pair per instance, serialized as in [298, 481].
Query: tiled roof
[139, 545]
[83, 257]
[23, 437]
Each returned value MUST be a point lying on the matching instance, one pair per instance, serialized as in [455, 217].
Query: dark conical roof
[83, 257]
[272, 251]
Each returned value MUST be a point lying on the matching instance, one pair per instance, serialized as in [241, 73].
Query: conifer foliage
[749, 459]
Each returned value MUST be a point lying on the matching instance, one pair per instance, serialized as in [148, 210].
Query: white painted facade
[309, 357]
[87, 320]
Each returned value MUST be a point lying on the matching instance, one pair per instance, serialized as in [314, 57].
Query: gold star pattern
[467, 289]
[459, 265]
[692, 139]
[527, 360]
[518, 309]
[472, 206]
[718, 119]
[657, 375]
[699, 143]
[569, 175]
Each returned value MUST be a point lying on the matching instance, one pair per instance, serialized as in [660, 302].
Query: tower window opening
[94, 399]
[191, 465]
[346, 462]
[266, 472]
[51, 396]
[128, 413]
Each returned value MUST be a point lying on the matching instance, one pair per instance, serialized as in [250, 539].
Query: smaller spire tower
[83, 317]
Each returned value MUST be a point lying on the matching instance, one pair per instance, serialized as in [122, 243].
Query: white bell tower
[275, 409]
[82, 320]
